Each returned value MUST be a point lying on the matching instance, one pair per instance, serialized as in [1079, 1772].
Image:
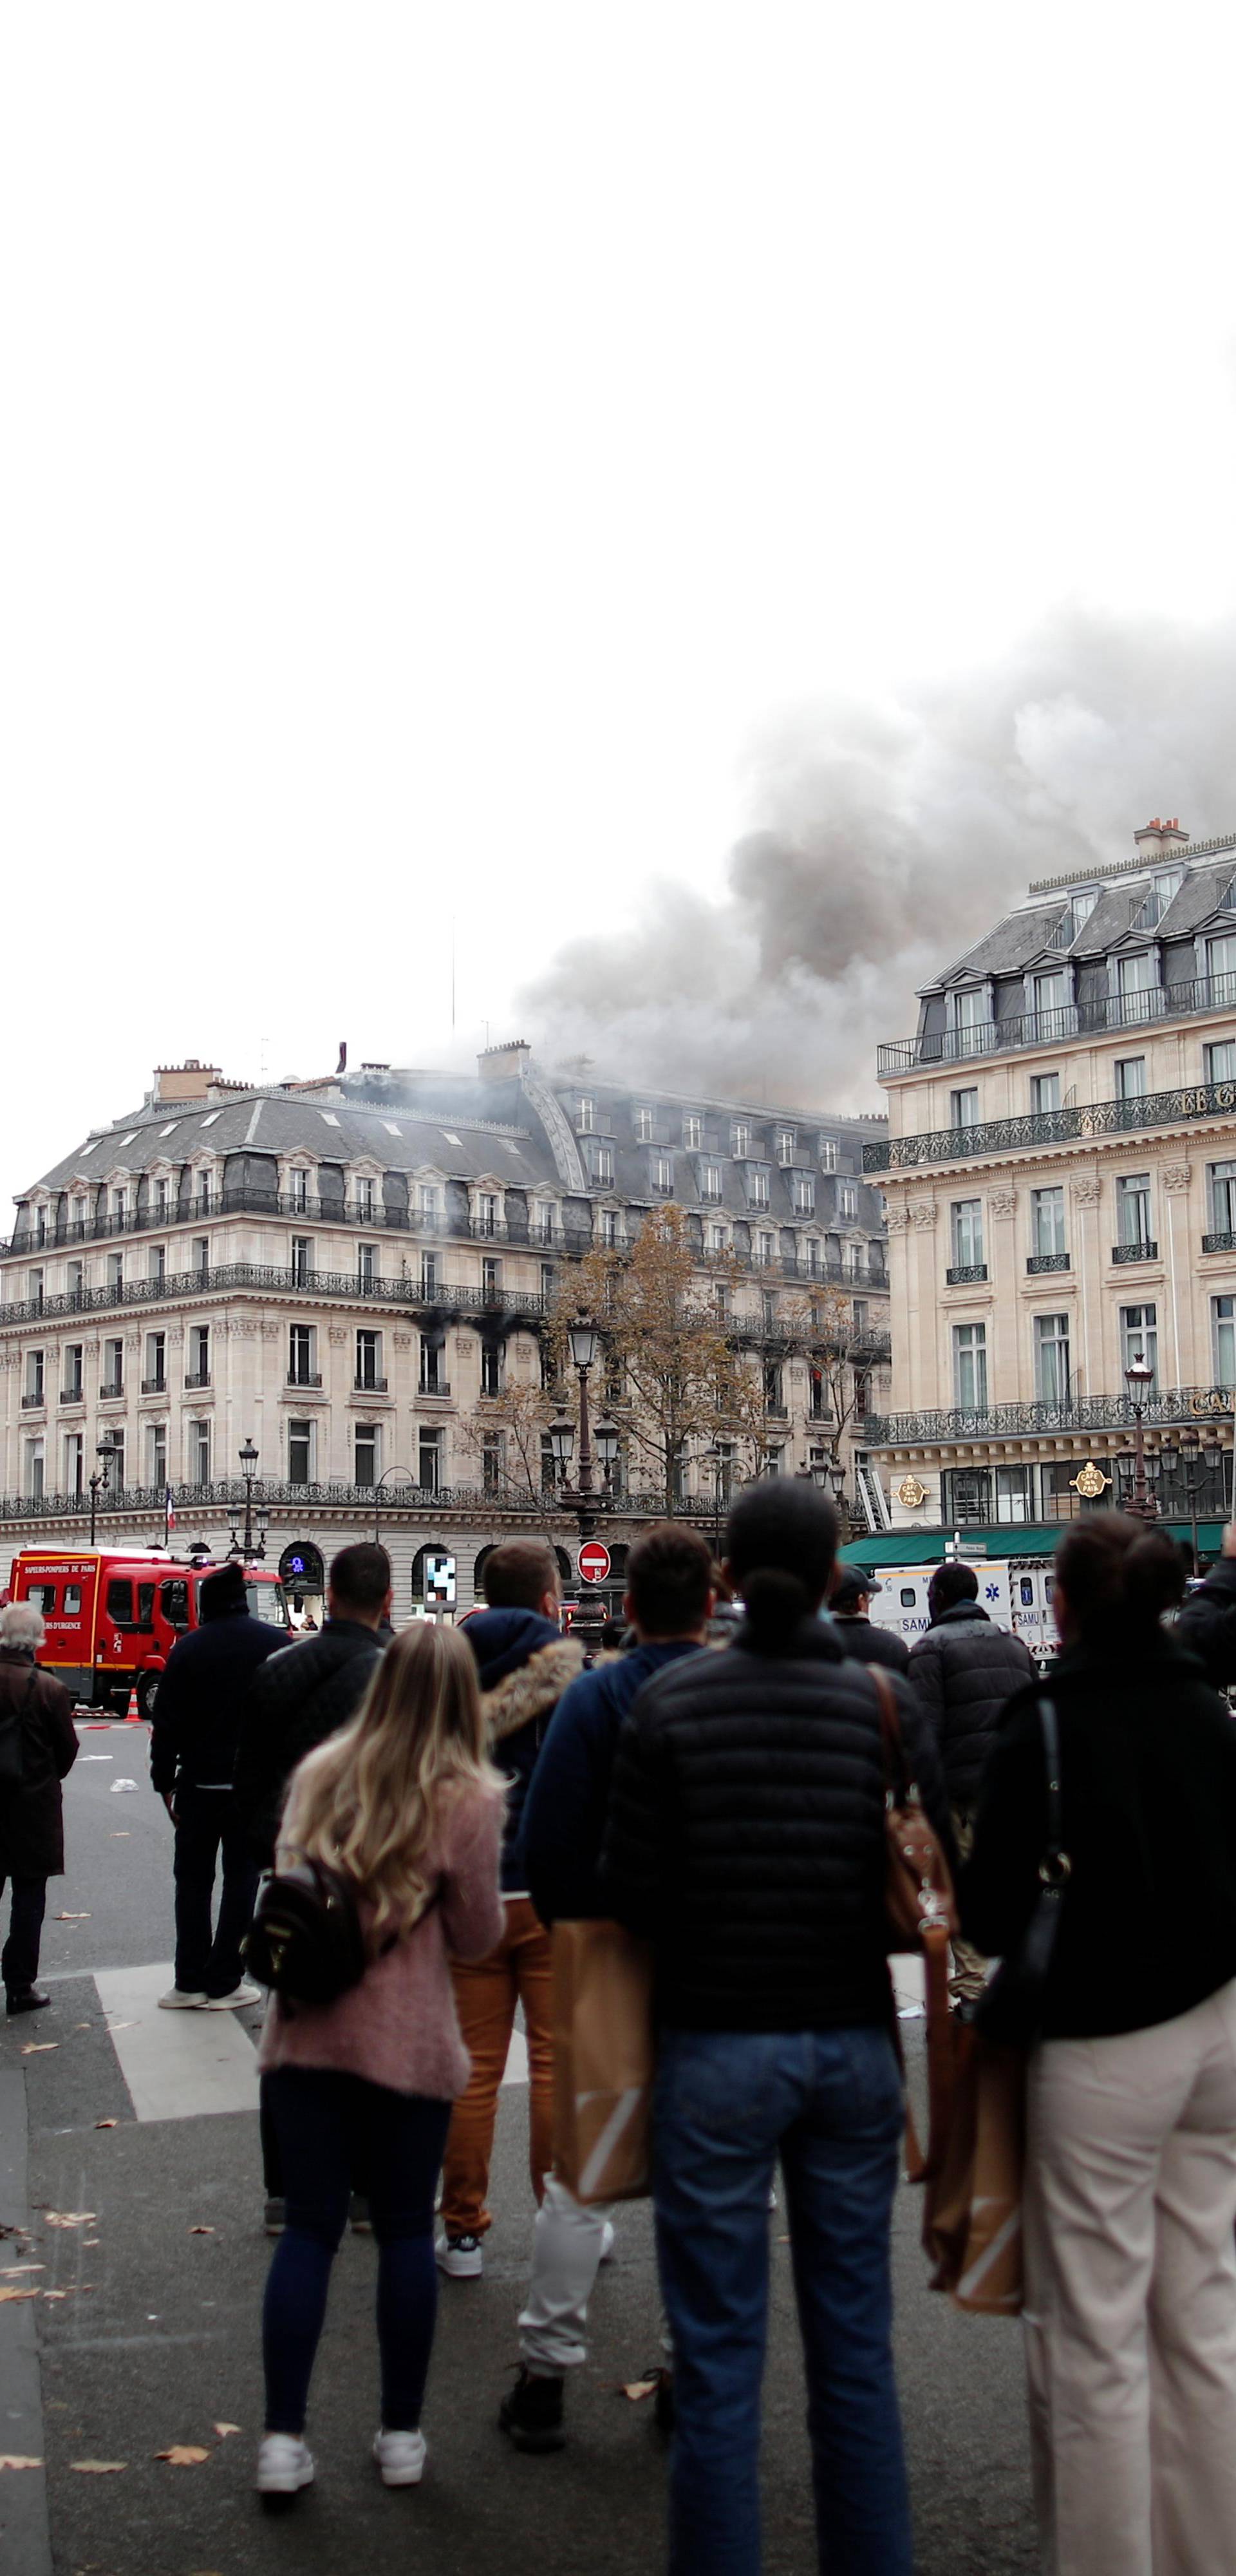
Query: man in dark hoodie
[964, 1672]
[312, 1689]
[525, 1665]
[668, 1601]
[192, 1758]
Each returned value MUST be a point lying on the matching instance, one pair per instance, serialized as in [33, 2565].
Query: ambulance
[1014, 1591]
[113, 1615]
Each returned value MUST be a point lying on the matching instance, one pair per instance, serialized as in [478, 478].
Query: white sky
[436, 442]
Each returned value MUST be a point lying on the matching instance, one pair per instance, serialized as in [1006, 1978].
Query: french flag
[168, 1511]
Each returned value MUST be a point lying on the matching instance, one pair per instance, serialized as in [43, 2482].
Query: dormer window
[298, 1190]
[804, 1194]
[366, 1199]
[643, 1126]
[828, 1153]
[847, 1199]
[586, 1113]
[711, 1180]
[785, 1147]
[740, 1140]
[692, 1132]
[1163, 885]
[757, 1187]
[602, 1167]
[663, 1173]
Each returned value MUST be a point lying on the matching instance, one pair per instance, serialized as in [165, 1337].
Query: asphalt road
[150, 2336]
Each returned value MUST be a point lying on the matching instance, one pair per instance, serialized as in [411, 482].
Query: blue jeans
[334, 2131]
[830, 2104]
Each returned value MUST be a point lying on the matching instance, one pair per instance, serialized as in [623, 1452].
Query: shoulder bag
[305, 1941]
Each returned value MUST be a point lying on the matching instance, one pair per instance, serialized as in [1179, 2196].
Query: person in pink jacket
[404, 1802]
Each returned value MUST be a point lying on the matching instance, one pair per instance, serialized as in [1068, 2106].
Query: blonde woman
[405, 1803]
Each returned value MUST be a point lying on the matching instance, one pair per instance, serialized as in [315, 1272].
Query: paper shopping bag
[603, 2061]
[972, 2219]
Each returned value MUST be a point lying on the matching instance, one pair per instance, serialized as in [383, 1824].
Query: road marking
[177, 2065]
[517, 2060]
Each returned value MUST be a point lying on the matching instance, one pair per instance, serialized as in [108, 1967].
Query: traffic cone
[133, 1714]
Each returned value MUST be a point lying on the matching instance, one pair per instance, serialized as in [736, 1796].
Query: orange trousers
[486, 1994]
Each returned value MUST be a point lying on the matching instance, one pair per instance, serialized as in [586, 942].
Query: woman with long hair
[1130, 2198]
[404, 1804]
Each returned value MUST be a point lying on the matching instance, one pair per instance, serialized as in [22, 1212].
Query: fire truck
[113, 1615]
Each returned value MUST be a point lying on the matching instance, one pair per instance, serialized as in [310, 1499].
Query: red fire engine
[113, 1615]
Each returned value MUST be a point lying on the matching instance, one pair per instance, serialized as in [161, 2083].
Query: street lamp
[377, 1507]
[1139, 1378]
[248, 1469]
[98, 1481]
[1188, 1463]
[721, 1461]
[609, 1442]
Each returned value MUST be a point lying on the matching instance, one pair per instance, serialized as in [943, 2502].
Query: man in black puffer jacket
[310, 1690]
[965, 1671]
[1207, 1623]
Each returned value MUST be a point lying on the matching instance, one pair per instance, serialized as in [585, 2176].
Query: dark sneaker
[532, 2414]
[275, 2216]
[359, 2219]
[29, 2000]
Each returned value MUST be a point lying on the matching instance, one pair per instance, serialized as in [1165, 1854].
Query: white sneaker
[239, 1995]
[462, 2258]
[284, 2465]
[400, 2457]
[181, 1999]
[606, 2254]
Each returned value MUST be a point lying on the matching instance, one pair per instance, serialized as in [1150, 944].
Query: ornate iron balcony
[111, 1391]
[197, 1378]
[1054, 1126]
[1079, 1413]
[965, 1274]
[369, 1386]
[1145, 1251]
[1219, 1243]
[1041, 1261]
[304, 1377]
[155, 1385]
[72, 1395]
[1048, 1028]
[30, 1402]
[442, 1386]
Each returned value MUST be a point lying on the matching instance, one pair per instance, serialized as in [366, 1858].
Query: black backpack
[305, 1940]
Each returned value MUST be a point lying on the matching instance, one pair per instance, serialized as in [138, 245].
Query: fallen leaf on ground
[118, 2025]
[98, 2468]
[120, 1837]
[11, 2270]
[39, 2047]
[92, 2240]
[71, 2217]
[74, 1918]
[637, 2388]
[184, 2455]
[19, 2294]
[201, 2231]
[105, 2124]
[55, 2294]
[12, 2460]
[224, 2429]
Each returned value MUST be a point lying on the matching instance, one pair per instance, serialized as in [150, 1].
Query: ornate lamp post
[248, 1469]
[98, 1481]
[1188, 1464]
[1139, 1378]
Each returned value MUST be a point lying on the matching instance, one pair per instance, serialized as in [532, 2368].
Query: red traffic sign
[593, 1562]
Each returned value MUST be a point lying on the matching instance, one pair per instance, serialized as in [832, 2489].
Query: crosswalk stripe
[177, 2065]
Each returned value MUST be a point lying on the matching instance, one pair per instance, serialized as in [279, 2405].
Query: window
[113, 1369]
[300, 1453]
[811, 1250]
[487, 1212]
[740, 1140]
[1044, 1094]
[757, 1187]
[1133, 1209]
[1221, 967]
[1046, 1222]
[602, 1167]
[784, 1147]
[115, 1270]
[302, 1260]
[662, 1172]
[156, 1455]
[300, 1355]
[156, 1264]
[549, 1465]
[35, 1470]
[970, 1367]
[155, 1380]
[201, 1254]
[199, 1355]
[1222, 1178]
[969, 1015]
[609, 1229]
[199, 1453]
[160, 1201]
[543, 1221]
[768, 1305]
[818, 1405]
[1131, 1077]
[586, 1114]
[368, 1360]
[804, 1194]
[692, 1132]
[491, 1277]
[366, 1265]
[715, 1237]
[429, 1465]
[1050, 991]
[967, 1218]
[491, 1462]
[828, 1153]
[429, 1274]
[765, 1248]
[116, 1472]
[34, 1377]
[774, 1389]
[643, 1126]
[1220, 1061]
[75, 1279]
[547, 1267]
[720, 1297]
[964, 1106]
[432, 1381]
[120, 1203]
[73, 1467]
[1139, 1337]
[491, 1369]
[298, 1189]
[365, 1440]
[120, 1602]
[73, 1359]
[1052, 1374]
[1135, 974]
[860, 1314]
[847, 1199]
[427, 1202]
[366, 1198]
[1223, 1330]
[174, 1602]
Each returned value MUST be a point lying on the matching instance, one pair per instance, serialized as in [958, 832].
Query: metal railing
[1038, 1262]
[1080, 1413]
[965, 1274]
[1047, 1028]
[1146, 1250]
[277, 1279]
[1054, 1126]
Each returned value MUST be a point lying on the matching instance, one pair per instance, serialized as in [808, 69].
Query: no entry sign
[593, 1562]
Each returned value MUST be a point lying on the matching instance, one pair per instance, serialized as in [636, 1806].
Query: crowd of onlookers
[718, 1786]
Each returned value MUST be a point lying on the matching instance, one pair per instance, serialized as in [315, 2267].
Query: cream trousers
[1130, 2317]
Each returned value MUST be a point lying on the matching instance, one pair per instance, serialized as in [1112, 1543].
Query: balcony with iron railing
[156, 1385]
[1054, 1127]
[1145, 1249]
[1081, 1414]
[369, 1386]
[1092, 1018]
[197, 1379]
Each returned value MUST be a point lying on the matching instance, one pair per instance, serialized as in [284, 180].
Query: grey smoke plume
[883, 841]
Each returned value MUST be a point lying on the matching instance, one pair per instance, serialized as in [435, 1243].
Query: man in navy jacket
[668, 1601]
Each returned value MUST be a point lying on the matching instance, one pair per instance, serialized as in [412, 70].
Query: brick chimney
[504, 1063]
[187, 1081]
[1161, 840]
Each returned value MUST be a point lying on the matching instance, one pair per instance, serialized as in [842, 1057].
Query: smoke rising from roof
[884, 840]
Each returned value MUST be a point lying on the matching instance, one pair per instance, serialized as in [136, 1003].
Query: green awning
[926, 1546]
